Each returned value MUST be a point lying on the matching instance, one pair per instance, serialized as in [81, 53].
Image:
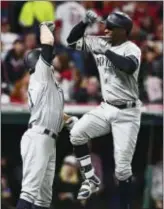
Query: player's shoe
[88, 187]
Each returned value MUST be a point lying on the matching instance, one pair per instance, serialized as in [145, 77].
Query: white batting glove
[46, 33]
[90, 17]
[71, 122]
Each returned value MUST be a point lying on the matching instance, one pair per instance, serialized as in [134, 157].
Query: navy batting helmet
[31, 58]
[119, 20]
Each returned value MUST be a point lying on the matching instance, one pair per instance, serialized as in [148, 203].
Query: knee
[77, 136]
[123, 171]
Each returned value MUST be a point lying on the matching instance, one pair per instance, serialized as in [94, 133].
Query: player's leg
[44, 197]
[35, 156]
[91, 125]
[125, 131]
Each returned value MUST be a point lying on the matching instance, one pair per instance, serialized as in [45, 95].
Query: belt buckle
[48, 132]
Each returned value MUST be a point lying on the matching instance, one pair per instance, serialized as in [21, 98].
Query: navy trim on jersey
[45, 61]
[76, 33]
[125, 64]
[46, 53]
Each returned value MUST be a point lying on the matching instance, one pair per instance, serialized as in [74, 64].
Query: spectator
[147, 33]
[7, 38]
[5, 191]
[151, 74]
[5, 98]
[78, 82]
[35, 12]
[138, 35]
[4, 9]
[157, 185]
[147, 24]
[13, 63]
[159, 33]
[6, 194]
[58, 30]
[30, 41]
[19, 93]
[61, 65]
[67, 184]
[70, 13]
[90, 94]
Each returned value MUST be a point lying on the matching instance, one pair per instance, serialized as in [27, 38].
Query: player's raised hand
[47, 32]
[90, 17]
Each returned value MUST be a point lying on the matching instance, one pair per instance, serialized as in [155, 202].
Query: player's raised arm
[75, 39]
[38, 61]
[47, 41]
[42, 69]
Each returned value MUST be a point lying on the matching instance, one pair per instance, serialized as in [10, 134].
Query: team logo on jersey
[103, 61]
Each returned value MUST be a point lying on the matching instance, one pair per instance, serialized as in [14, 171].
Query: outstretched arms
[78, 31]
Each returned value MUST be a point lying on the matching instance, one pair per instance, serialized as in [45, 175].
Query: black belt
[123, 106]
[45, 131]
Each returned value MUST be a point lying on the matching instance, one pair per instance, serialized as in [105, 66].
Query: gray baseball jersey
[116, 86]
[45, 97]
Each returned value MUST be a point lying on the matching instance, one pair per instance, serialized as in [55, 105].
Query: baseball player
[118, 62]
[46, 105]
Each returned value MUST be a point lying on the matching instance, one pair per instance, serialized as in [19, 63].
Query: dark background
[150, 140]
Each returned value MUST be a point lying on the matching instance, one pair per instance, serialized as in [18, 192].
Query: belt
[129, 104]
[45, 131]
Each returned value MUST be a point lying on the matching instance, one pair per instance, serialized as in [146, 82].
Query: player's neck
[116, 43]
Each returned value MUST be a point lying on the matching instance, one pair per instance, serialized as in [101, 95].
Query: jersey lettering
[105, 62]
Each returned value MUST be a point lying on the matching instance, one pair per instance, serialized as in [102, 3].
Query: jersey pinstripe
[45, 98]
[116, 85]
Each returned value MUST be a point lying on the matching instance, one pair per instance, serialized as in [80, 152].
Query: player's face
[114, 34]
[108, 33]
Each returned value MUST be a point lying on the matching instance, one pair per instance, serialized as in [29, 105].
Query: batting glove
[90, 17]
[71, 122]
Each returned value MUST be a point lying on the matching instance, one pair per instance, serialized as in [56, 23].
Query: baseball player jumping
[118, 62]
[46, 104]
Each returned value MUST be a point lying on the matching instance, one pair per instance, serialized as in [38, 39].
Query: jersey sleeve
[89, 43]
[42, 70]
[134, 53]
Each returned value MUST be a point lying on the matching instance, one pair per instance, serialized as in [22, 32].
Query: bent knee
[77, 137]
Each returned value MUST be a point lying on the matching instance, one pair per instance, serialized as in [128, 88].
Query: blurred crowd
[76, 71]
